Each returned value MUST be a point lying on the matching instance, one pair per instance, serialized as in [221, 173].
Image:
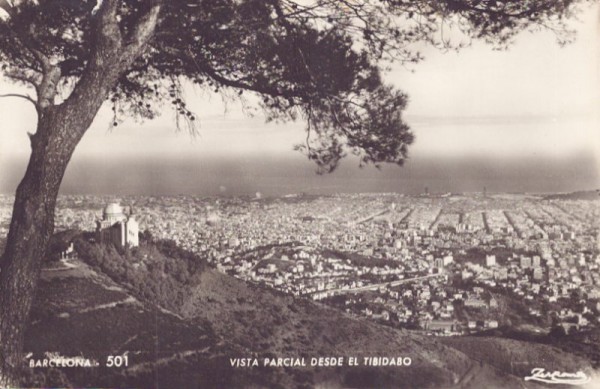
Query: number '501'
[117, 361]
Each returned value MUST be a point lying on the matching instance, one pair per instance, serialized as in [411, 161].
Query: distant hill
[581, 195]
[187, 343]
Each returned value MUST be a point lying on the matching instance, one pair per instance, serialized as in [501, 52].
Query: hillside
[79, 310]
[585, 343]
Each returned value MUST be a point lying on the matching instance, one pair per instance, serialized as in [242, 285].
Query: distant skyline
[533, 108]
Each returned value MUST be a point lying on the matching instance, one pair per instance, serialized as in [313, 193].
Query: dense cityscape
[444, 264]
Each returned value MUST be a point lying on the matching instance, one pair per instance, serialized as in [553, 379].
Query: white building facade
[117, 227]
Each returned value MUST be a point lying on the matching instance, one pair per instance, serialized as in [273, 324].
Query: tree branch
[107, 15]
[242, 85]
[24, 78]
[25, 41]
[107, 28]
[47, 89]
[7, 7]
[26, 97]
[143, 30]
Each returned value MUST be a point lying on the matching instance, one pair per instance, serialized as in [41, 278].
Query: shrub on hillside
[159, 271]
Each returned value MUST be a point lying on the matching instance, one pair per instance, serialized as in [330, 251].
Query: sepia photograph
[299, 194]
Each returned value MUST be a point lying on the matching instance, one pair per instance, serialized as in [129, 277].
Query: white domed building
[117, 227]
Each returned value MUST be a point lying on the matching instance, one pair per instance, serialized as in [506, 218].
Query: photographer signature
[557, 377]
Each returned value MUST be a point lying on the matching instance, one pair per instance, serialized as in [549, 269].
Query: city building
[117, 227]
[525, 262]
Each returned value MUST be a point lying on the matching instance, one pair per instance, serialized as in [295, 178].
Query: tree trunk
[31, 227]
[60, 128]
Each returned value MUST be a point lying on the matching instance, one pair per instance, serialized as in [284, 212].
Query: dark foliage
[159, 272]
[60, 242]
[317, 61]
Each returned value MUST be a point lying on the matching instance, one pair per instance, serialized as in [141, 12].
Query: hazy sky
[535, 102]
